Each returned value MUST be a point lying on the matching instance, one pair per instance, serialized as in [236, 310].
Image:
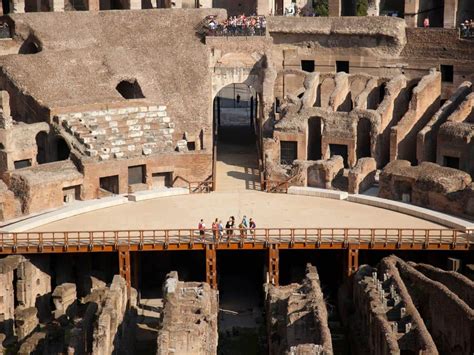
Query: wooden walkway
[284, 238]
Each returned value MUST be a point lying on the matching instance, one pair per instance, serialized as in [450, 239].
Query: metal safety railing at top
[341, 237]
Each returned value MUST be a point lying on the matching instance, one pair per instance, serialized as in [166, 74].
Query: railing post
[352, 261]
[124, 265]
[274, 264]
[211, 266]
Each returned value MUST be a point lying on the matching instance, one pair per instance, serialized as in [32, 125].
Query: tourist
[202, 229]
[426, 22]
[220, 229]
[252, 227]
[242, 230]
[229, 227]
[215, 229]
[241, 25]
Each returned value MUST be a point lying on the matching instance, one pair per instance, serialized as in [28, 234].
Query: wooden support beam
[352, 261]
[124, 265]
[274, 264]
[211, 266]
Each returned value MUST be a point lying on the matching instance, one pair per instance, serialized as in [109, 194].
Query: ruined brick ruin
[404, 306]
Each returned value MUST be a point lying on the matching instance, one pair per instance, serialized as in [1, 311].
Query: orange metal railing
[205, 186]
[339, 237]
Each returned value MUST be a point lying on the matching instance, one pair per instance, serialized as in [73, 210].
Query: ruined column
[135, 4]
[450, 12]
[335, 8]
[17, 6]
[352, 261]
[94, 5]
[411, 12]
[6, 120]
[57, 5]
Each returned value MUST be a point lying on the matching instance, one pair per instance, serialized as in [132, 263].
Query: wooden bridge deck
[283, 238]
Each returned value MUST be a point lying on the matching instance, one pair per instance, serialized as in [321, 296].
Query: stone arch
[130, 89]
[238, 68]
[41, 145]
[62, 148]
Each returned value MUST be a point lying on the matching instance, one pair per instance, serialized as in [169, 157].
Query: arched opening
[41, 143]
[62, 149]
[315, 126]
[395, 8]
[433, 10]
[465, 11]
[363, 138]
[29, 47]
[130, 90]
[6, 6]
[235, 131]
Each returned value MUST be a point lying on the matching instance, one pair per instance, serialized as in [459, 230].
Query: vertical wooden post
[211, 266]
[136, 274]
[274, 264]
[124, 265]
[352, 261]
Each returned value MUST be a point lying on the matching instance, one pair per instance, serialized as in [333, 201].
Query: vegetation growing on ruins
[362, 7]
[321, 7]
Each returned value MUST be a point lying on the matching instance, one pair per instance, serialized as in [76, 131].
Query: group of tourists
[218, 229]
[237, 26]
[467, 28]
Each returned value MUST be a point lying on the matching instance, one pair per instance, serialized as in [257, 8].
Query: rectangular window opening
[20, 164]
[447, 73]
[136, 174]
[288, 152]
[451, 162]
[342, 66]
[307, 65]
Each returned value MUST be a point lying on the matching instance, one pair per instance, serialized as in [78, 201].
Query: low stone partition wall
[449, 319]
[189, 323]
[385, 316]
[362, 176]
[111, 331]
[315, 192]
[298, 318]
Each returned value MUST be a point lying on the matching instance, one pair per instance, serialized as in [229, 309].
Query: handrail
[340, 238]
[278, 184]
[196, 186]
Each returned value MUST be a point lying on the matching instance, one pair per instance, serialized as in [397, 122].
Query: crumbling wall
[33, 288]
[429, 185]
[426, 146]
[64, 298]
[110, 327]
[462, 286]
[189, 318]
[297, 317]
[362, 176]
[322, 173]
[449, 319]
[423, 105]
[8, 266]
[41, 187]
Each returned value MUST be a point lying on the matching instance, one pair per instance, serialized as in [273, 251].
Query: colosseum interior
[337, 134]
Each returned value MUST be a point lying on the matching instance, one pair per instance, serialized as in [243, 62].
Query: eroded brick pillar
[411, 12]
[334, 8]
[211, 266]
[17, 6]
[274, 264]
[94, 5]
[450, 11]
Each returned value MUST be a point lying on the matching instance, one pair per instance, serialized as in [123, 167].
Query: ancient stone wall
[426, 146]
[41, 187]
[323, 172]
[453, 327]
[189, 323]
[423, 105]
[362, 176]
[429, 185]
[110, 326]
[8, 266]
[297, 318]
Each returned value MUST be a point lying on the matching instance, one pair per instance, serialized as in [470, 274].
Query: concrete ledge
[74, 209]
[316, 192]
[163, 192]
[412, 210]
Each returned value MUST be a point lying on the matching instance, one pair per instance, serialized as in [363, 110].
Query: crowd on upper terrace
[237, 26]
[467, 29]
